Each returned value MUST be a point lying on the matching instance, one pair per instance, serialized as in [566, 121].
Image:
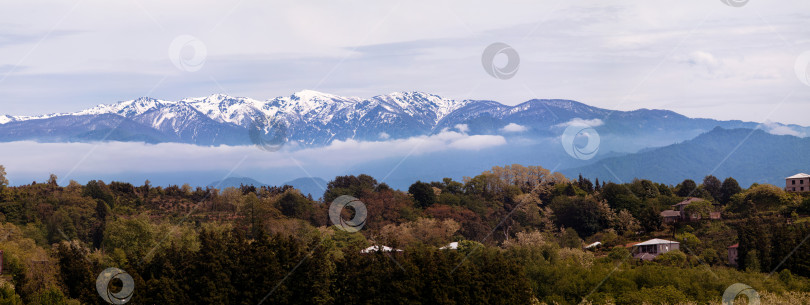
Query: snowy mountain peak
[308, 95]
[307, 106]
[315, 118]
[416, 102]
[126, 108]
[5, 119]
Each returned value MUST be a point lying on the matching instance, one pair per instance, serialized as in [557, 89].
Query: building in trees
[648, 250]
[671, 216]
[691, 209]
[374, 249]
[450, 246]
[798, 183]
[732, 254]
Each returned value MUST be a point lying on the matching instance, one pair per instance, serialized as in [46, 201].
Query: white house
[450, 246]
[798, 183]
[648, 250]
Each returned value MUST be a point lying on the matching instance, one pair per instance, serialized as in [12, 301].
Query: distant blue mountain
[235, 182]
[314, 185]
[750, 156]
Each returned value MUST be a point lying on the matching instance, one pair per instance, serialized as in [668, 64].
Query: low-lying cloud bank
[581, 121]
[27, 159]
[781, 129]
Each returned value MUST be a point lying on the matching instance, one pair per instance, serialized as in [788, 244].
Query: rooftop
[799, 176]
[670, 213]
[656, 241]
[688, 201]
[450, 246]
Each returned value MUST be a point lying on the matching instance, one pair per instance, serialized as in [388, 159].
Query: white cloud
[512, 127]
[384, 135]
[627, 55]
[27, 159]
[478, 142]
[703, 59]
[579, 121]
[463, 128]
[780, 129]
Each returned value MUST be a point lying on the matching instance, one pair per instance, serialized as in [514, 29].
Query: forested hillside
[521, 233]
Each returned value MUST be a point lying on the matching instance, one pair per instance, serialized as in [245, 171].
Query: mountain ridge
[748, 155]
[313, 118]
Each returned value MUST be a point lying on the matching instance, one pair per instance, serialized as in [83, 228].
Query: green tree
[729, 188]
[98, 190]
[674, 258]
[136, 236]
[77, 272]
[650, 218]
[644, 188]
[8, 297]
[570, 239]
[763, 197]
[619, 253]
[585, 215]
[349, 185]
[752, 262]
[293, 204]
[686, 188]
[52, 181]
[804, 207]
[689, 241]
[3, 180]
[53, 296]
[699, 208]
[423, 194]
[713, 185]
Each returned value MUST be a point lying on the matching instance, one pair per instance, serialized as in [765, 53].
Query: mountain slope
[747, 155]
[314, 119]
[314, 186]
[235, 182]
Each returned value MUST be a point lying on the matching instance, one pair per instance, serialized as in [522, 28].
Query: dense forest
[521, 233]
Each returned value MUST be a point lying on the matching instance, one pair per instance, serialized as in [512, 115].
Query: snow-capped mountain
[316, 118]
[312, 118]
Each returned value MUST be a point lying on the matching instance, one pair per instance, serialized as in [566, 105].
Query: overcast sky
[701, 58]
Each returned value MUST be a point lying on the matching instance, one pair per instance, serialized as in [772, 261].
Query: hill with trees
[521, 232]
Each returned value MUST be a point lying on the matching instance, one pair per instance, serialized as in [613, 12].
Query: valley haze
[398, 138]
